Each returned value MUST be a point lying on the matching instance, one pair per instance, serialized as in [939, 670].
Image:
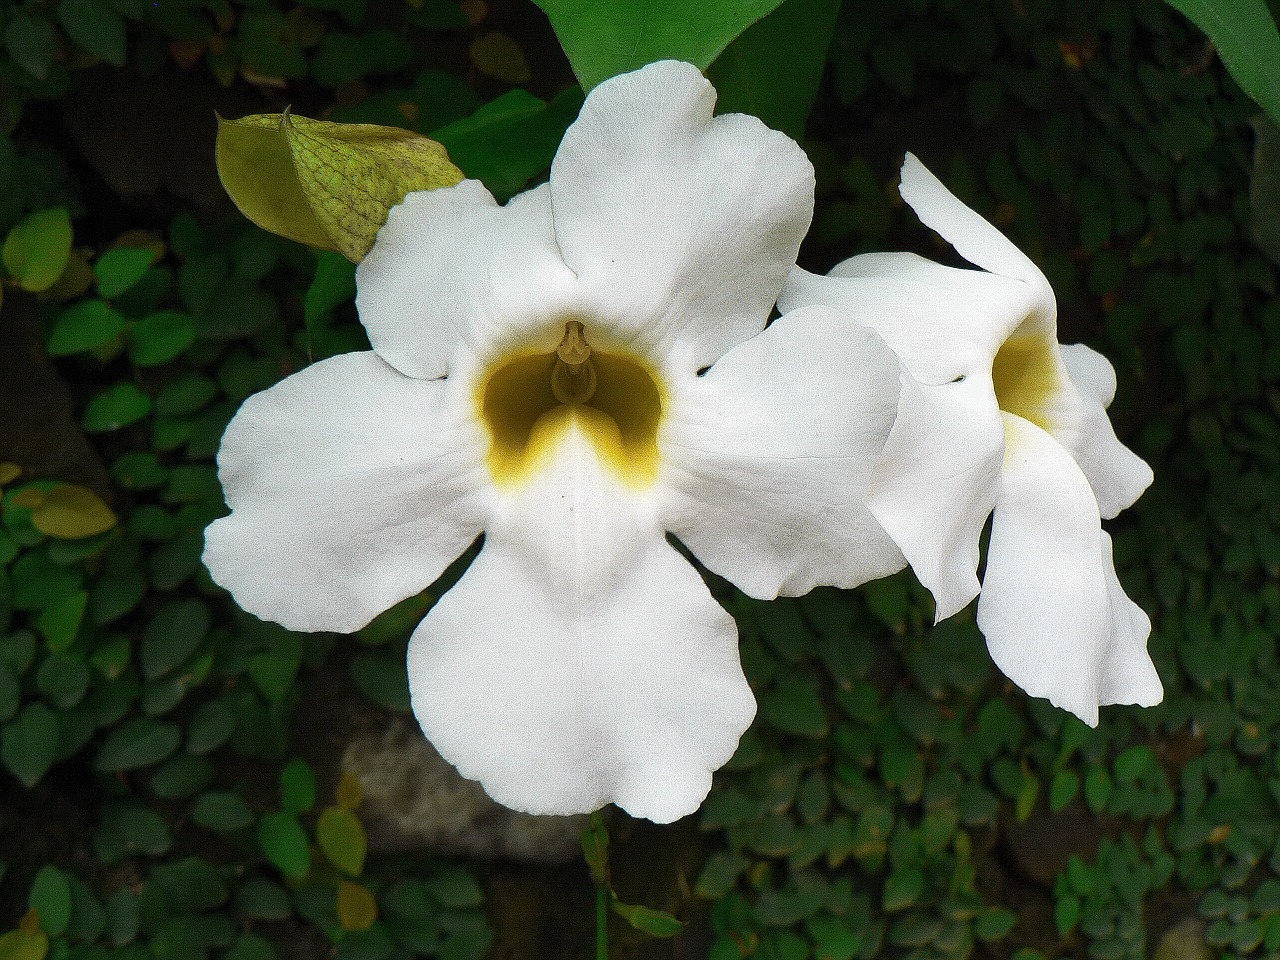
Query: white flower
[997, 415]
[535, 377]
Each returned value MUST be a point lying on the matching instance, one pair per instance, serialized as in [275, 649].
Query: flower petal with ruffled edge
[451, 267]
[581, 659]
[351, 486]
[765, 486]
[680, 227]
[1055, 620]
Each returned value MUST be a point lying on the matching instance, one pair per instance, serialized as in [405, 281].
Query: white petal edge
[767, 457]
[1117, 474]
[974, 238]
[351, 486]
[942, 322]
[1053, 620]
[581, 659]
[937, 482]
[680, 227]
[452, 267]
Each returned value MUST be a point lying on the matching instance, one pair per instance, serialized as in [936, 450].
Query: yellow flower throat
[529, 402]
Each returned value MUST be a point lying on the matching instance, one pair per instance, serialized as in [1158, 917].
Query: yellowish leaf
[357, 910]
[350, 792]
[328, 185]
[23, 944]
[9, 472]
[71, 513]
[342, 837]
[498, 56]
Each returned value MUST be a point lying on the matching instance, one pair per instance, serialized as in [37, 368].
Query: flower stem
[602, 922]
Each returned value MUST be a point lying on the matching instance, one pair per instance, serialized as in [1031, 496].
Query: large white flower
[997, 415]
[539, 375]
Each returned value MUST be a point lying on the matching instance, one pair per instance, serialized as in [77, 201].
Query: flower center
[529, 402]
[1027, 376]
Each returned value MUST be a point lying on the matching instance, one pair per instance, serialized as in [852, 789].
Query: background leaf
[1244, 31]
[605, 39]
[773, 70]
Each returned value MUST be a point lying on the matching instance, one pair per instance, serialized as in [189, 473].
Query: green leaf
[128, 829]
[795, 705]
[30, 743]
[176, 632]
[142, 742]
[221, 812]
[94, 27]
[510, 139]
[903, 888]
[192, 885]
[328, 185]
[51, 899]
[36, 251]
[60, 621]
[1064, 788]
[119, 268]
[263, 900]
[994, 923]
[86, 326]
[1246, 37]
[456, 888]
[116, 407]
[160, 337]
[334, 284]
[774, 68]
[32, 42]
[381, 680]
[605, 39]
[656, 923]
[342, 838]
[210, 727]
[284, 842]
[297, 786]
[122, 916]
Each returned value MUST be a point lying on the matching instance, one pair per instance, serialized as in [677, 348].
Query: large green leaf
[605, 39]
[1245, 34]
[774, 68]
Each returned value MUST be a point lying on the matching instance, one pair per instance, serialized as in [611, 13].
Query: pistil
[573, 379]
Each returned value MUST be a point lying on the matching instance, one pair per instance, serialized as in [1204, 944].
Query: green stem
[602, 922]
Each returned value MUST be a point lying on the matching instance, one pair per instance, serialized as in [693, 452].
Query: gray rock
[415, 800]
[1184, 941]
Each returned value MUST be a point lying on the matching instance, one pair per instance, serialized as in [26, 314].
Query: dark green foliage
[895, 795]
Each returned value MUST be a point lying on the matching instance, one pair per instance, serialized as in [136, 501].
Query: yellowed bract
[328, 185]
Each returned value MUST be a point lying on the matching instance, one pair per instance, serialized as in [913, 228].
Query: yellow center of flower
[1026, 376]
[529, 402]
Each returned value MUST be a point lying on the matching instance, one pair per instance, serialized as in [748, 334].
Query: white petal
[769, 455]
[942, 322]
[581, 660]
[1128, 675]
[1054, 621]
[937, 482]
[351, 486]
[680, 227]
[1117, 474]
[974, 238]
[451, 266]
